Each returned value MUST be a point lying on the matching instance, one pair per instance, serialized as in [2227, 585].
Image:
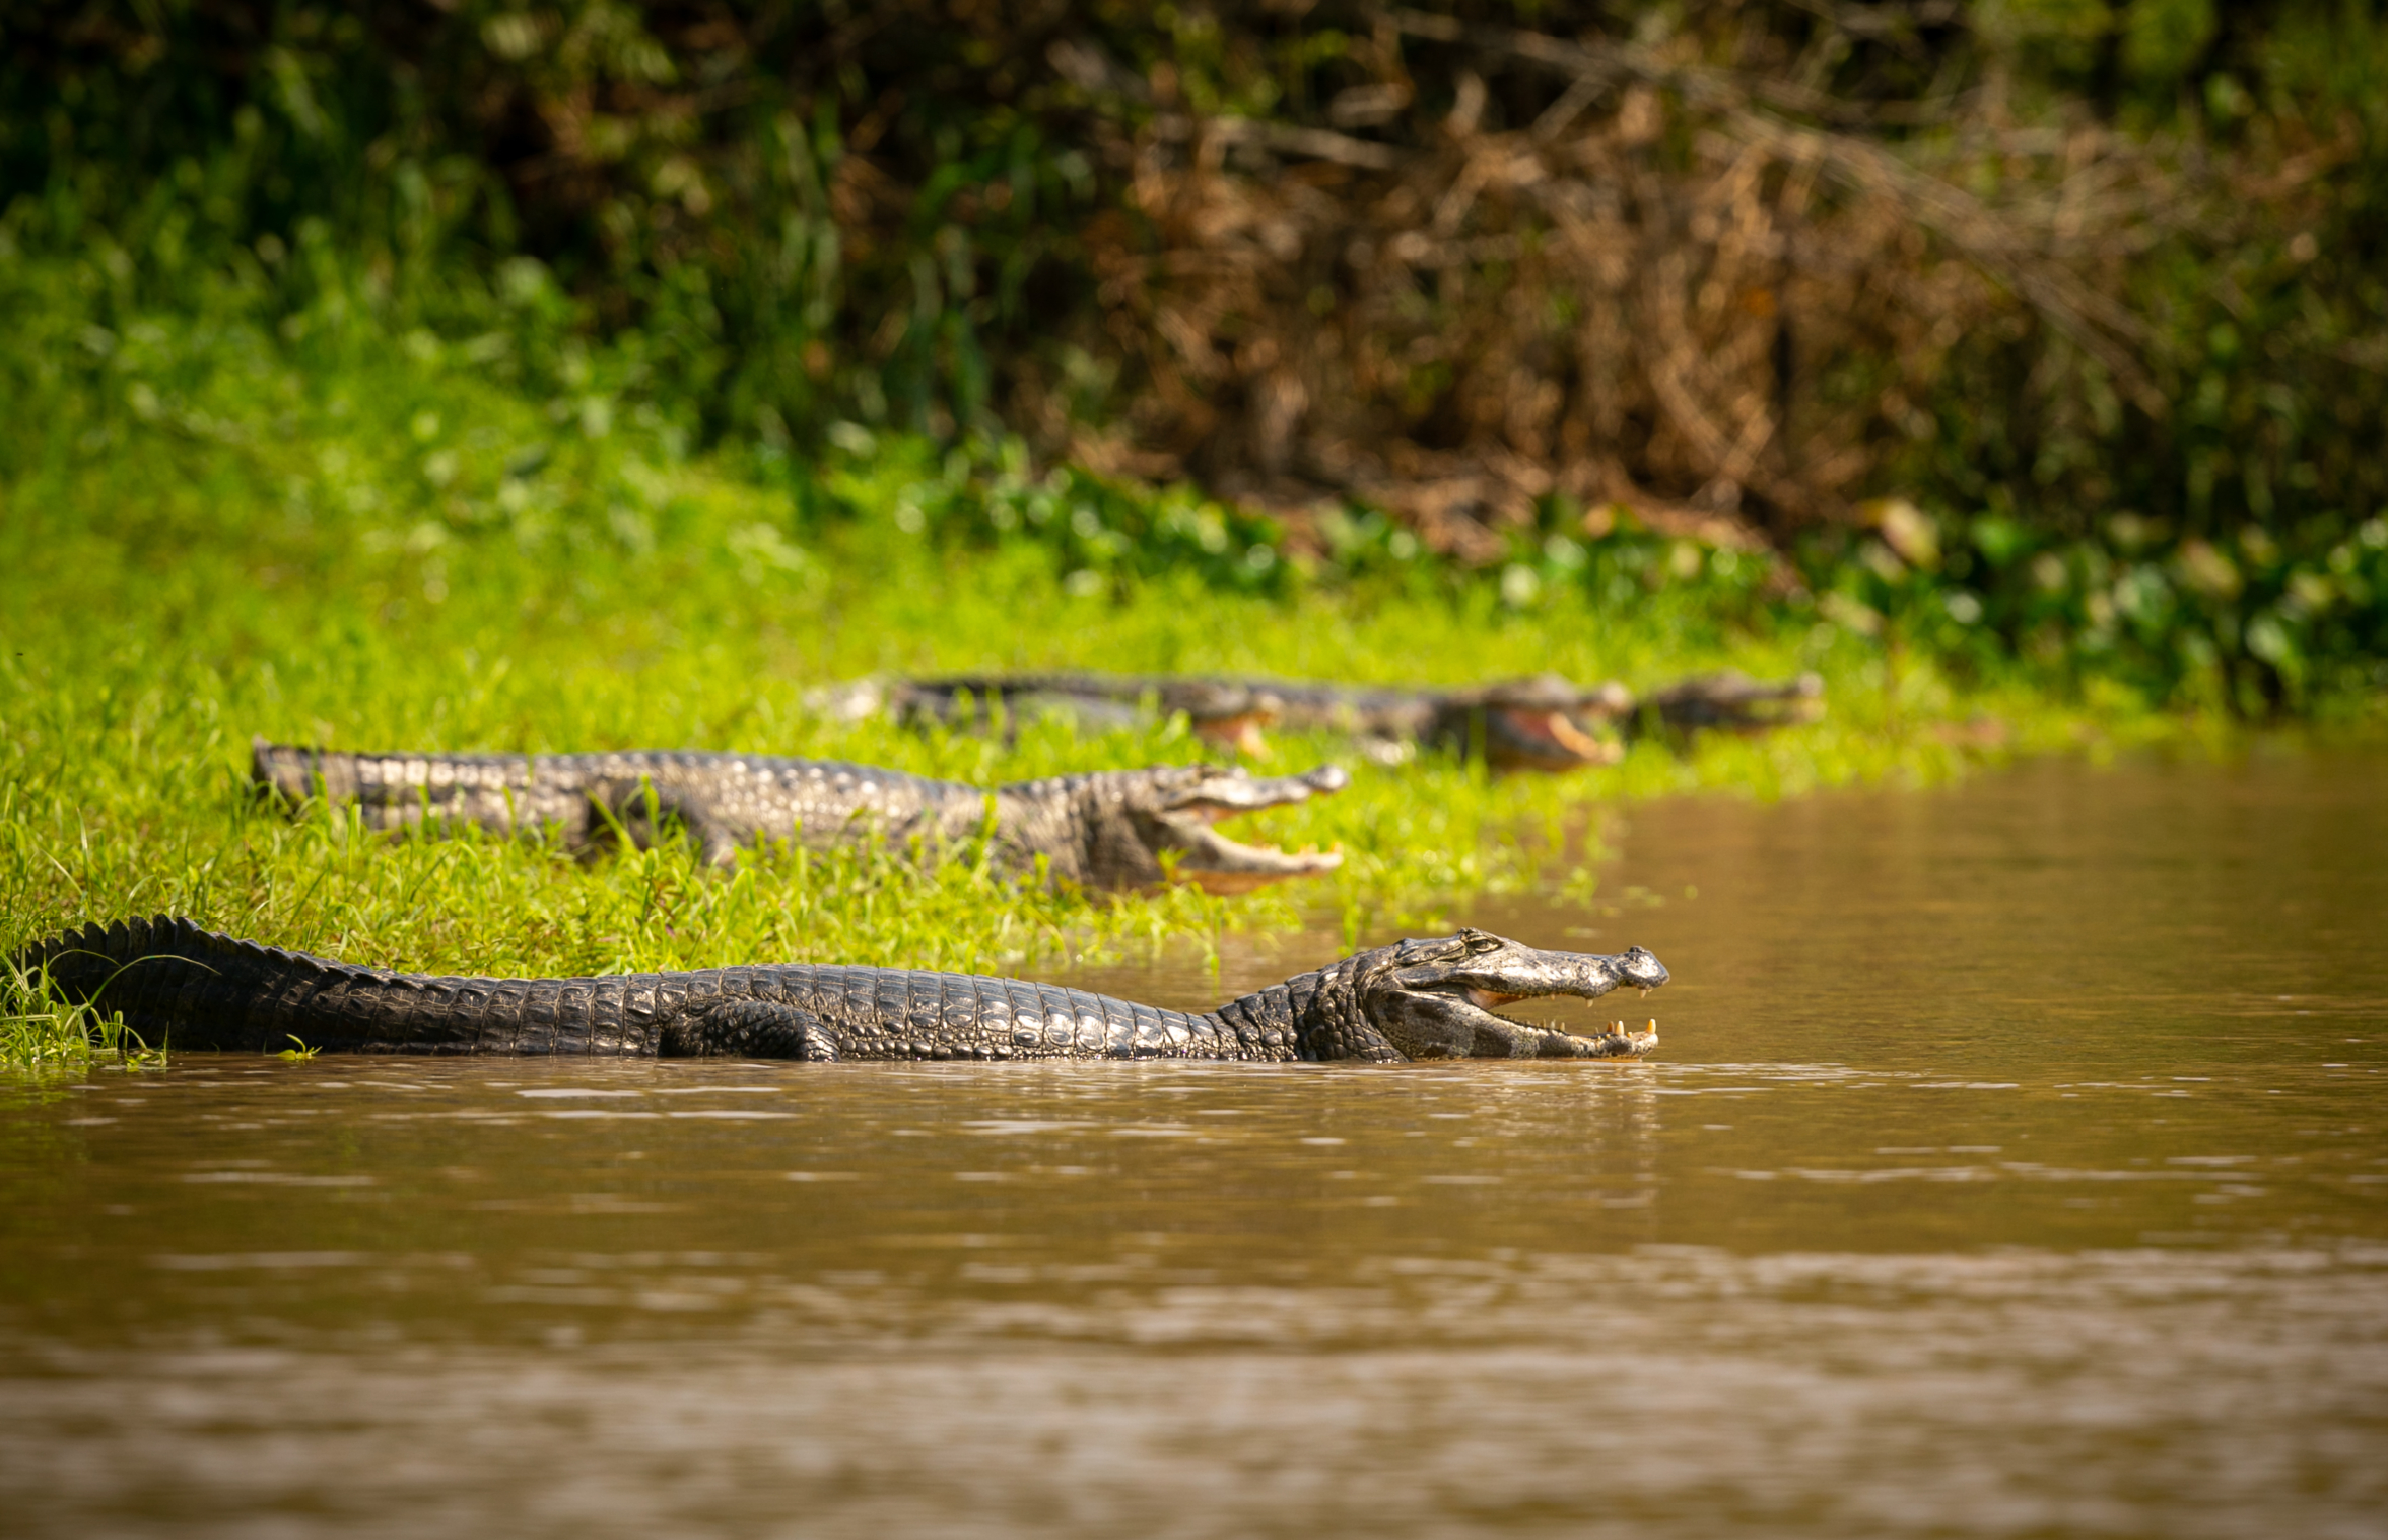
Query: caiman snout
[1640, 968]
[1223, 792]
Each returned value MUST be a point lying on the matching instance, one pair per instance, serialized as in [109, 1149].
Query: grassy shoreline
[382, 552]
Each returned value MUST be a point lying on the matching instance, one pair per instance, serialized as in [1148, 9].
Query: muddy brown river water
[2013, 1164]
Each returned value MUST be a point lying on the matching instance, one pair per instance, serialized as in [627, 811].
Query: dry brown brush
[1691, 288]
[1743, 265]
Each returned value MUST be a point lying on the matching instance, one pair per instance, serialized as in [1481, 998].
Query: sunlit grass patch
[278, 554]
[39, 1029]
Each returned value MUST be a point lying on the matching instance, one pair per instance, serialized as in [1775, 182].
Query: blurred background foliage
[2052, 328]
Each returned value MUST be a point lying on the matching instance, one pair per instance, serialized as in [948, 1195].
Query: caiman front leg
[748, 1029]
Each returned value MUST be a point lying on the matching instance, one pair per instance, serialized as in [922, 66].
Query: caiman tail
[296, 774]
[177, 986]
[500, 792]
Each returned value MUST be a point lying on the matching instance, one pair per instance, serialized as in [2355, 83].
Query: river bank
[388, 553]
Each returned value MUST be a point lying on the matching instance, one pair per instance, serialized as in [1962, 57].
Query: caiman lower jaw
[1225, 867]
[1547, 739]
[1618, 1042]
[1242, 733]
[1199, 854]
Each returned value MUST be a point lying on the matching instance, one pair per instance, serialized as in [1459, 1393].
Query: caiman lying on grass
[179, 987]
[1542, 723]
[1108, 829]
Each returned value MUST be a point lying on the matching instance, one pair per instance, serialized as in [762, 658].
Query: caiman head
[1143, 828]
[1435, 999]
[1732, 699]
[1230, 714]
[1543, 723]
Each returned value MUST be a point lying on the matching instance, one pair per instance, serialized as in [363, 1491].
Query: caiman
[178, 987]
[1732, 700]
[1111, 829]
[1545, 722]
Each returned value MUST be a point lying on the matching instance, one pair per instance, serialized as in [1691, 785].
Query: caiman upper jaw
[1222, 793]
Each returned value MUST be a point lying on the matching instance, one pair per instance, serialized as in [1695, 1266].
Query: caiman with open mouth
[1112, 829]
[179, 987]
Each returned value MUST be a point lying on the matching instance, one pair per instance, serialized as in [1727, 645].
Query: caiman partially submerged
[1541, 723]
[179, 987]
[1113, 829]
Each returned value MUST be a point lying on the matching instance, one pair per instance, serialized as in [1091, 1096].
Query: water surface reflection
[2011, 1166]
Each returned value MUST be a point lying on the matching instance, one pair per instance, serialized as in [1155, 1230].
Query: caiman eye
[1480, 943]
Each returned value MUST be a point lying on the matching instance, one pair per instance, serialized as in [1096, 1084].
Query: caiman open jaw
[1541, 723]
[1233, 716]
[1217, 864]
[1432, 999]
[1554, 736]
[1537, 738]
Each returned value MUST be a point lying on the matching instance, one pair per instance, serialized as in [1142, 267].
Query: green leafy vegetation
[2094, 284]
[487, 377]
[210, 531]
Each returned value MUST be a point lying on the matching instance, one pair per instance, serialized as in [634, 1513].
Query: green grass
[209, 533]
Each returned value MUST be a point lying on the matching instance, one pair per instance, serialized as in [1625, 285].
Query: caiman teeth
[1486, 999]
